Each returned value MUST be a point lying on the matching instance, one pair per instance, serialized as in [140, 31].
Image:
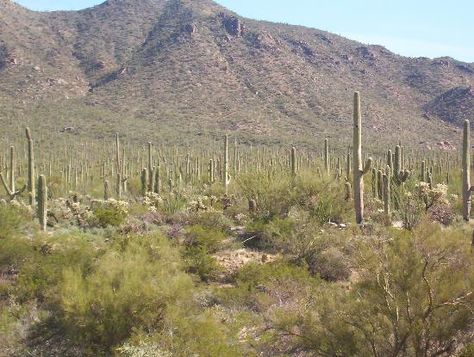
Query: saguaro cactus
[211, 171]
[466, 172]
[31, 169]
[358, 170]
[106, 190]
[387, 192]
[226, 164]
[400, 175]
[42, 202]
[118, 186]
[150, 168]
[12, 169]
[423, 171]
[293, 161]
[326, 156]
[157, 180]
[144, 181]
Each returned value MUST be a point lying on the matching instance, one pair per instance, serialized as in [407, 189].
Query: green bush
[207, 238]
[260, 287]
[413, 294]
[41, 263]
[200, 243]
[130, 287]
[109, 213]
[11, 219]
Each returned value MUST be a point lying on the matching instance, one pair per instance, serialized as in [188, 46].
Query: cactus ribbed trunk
[326, 156]
[211, 171]
[358, 169]
[293, 161]
[42, 202]
[106, 190]
[466, 172]
[31, 169]
[387, 192]
[226, 164]
[150, 168]
[144, 180]
[157, 180]
[12, 169]
[118, 186]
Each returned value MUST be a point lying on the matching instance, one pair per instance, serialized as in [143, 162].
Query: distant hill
[182, 68]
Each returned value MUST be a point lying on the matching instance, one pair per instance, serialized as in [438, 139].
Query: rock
[366, 53]
[190, 28]
[233, 25]
[446, 145]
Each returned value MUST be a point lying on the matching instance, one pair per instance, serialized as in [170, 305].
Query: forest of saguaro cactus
[117, 248]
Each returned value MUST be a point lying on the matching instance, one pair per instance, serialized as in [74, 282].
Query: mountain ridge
[186, 63]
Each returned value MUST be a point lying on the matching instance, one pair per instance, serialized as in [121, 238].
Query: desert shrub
[200, 243]
[260, 287]
[211, 219]
[201, 263]
[273, 193]
[11, 220]
[130, 287]
[108, 213]
[277, 195]
[412, 296]
[467, 351]
[325, 252]
[208, 238]
[198, 334]
[41, 263]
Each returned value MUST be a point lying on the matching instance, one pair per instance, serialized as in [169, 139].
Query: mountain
[177, 69]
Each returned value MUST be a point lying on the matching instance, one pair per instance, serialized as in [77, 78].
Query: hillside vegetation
[154, 69]
[126, 250]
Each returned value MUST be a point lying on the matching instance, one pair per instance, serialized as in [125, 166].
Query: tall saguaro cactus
[326, 156]
[150, 167]
[42, 202]
[387, 192]
[358, 170]
[31, 169]
[12, 169]
[293, 161]
[226, 164]
[466, 172]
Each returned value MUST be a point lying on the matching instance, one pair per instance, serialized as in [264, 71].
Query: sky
[415, 28]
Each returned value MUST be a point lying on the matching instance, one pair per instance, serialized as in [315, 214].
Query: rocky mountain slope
[150, 68]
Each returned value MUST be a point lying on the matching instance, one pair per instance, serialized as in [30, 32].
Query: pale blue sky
[430, 28]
